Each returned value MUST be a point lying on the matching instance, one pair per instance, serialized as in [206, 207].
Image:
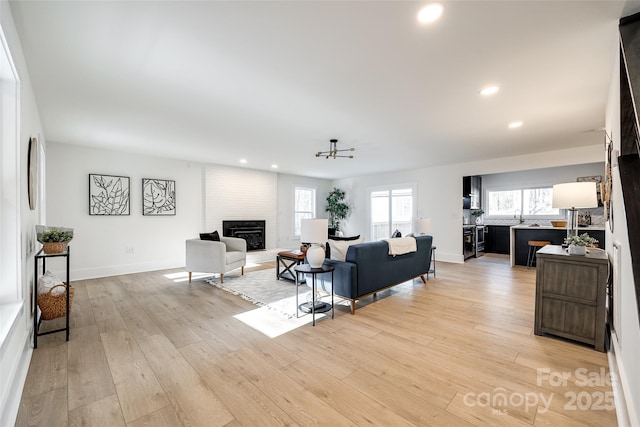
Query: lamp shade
[422, 225]
[575, 195]
[314, 230]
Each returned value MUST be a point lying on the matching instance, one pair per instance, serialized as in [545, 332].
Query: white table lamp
[316, 232]
[422, 226]
[573, 196]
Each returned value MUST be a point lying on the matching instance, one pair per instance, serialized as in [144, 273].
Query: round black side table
[314, 308]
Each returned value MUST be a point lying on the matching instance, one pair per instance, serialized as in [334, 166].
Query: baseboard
[117, 270]
[625, 409]
[9, 412]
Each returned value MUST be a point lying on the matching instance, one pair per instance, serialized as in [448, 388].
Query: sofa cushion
[339, 248]
[215, 236]
[233, 256]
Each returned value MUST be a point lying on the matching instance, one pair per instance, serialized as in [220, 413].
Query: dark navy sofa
[368, 268]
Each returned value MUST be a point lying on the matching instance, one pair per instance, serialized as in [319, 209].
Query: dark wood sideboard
[571, 295]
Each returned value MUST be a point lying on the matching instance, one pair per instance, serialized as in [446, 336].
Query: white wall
[439, 192]
[234, 193]
[627, 348]
[286, 186]
[15, 351]
[100, 243]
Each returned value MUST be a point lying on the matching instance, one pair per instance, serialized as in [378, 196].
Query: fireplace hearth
[251, 231]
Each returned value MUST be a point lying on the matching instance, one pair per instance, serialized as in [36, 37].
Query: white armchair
[208, 256]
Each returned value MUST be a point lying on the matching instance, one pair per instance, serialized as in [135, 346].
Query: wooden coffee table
[287, 260]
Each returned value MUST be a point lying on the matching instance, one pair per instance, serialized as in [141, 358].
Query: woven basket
[54, 306]
[54, 247]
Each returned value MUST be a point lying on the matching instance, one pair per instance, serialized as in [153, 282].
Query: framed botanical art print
[108, 195]
[158, 197]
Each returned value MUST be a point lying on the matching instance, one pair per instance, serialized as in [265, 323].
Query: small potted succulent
[578, 244]
[54, 239]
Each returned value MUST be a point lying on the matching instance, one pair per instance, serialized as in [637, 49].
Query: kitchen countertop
[549, 227]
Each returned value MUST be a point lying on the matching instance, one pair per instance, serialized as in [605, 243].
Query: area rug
[276, 300]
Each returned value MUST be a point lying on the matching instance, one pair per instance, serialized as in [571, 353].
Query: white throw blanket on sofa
[401, 245]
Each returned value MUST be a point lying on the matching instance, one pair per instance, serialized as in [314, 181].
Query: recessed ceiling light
[489, 90]
[274, 166]
[243, 161]
[430, 13]
[514, 125]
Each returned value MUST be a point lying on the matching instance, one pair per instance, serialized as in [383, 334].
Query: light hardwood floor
[148, 351]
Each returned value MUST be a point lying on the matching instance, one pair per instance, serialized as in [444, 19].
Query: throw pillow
[339, 248]
[396, 234]
[48, 281]
[210, 236]
[328, 248]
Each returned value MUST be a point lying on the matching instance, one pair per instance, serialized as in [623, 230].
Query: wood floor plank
[107, 316]
[47, 370]
[298, 402]
[408, 406]
[89, 376]
[244, 400]
[345, 399]
[103, 412]
[194, 402]
[138, 389]
[165, 417]
[45, 409]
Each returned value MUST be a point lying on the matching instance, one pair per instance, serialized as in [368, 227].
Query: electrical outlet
[129, 249]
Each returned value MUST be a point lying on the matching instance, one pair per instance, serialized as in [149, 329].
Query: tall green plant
[337, 208]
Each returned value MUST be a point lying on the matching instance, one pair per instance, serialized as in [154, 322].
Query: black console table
[37, 320]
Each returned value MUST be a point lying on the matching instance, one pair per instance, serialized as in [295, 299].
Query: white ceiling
[273, 81]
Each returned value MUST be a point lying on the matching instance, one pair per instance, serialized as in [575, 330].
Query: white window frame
[561, 212]
[414, 203]
[11, 295]
[296, 227]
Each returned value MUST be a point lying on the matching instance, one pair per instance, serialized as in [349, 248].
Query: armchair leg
[353, 306]
[423, 281]
[189, 277]
[242, 271]
[221, 278]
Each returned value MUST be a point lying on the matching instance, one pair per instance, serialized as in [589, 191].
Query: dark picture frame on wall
[109, 195]
[158, 197]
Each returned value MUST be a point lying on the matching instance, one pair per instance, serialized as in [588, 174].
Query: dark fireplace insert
[251, 231]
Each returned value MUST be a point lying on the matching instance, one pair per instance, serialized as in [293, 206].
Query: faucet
[518, 211]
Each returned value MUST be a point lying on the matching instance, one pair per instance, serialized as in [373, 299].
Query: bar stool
[534, 245]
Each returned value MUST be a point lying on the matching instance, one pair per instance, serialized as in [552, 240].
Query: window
[11, 297]
[304, 206]
[391, 209]
[530, 202]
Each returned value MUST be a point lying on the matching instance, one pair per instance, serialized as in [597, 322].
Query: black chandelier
[334, 152]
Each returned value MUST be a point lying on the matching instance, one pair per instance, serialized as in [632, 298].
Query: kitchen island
[521, 234]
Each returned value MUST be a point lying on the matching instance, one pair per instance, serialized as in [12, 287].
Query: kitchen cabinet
[570, 295]
[497, 239]
[472, 188]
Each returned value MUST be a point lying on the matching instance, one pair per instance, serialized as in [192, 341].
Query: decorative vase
[577, 250]
[315, 256]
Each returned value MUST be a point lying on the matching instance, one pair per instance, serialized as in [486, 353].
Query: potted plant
[54, 239]
[337, 208]
[578, 244]
[477, 214]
